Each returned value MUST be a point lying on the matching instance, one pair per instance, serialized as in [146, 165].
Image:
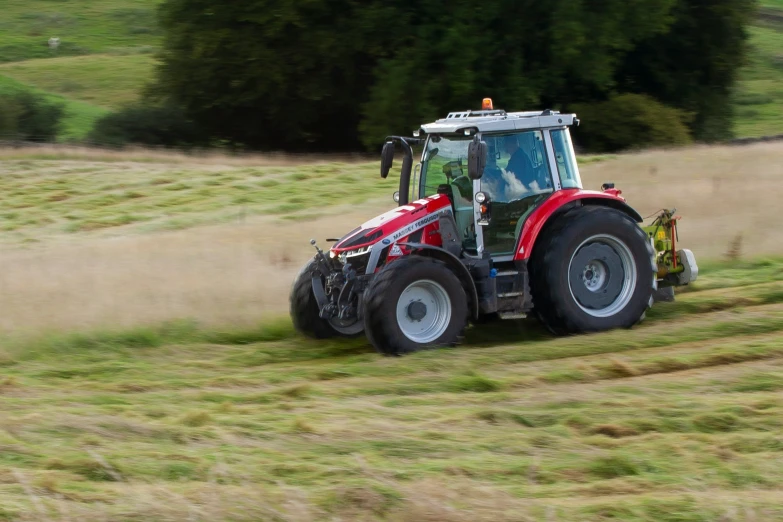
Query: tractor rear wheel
[305, 313]
[414, 303]
[593, 270]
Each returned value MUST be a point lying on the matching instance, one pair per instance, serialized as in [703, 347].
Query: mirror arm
[407, 164]
[405, 172]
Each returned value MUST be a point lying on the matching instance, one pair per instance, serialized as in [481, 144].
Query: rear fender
[453, 262]
[559, 203]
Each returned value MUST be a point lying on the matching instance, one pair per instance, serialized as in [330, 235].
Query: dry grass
[721, 193]
[194, 158]
[234, 274]
[239, 272]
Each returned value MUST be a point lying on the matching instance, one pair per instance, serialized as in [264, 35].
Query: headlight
[481, 197]
[357, 252]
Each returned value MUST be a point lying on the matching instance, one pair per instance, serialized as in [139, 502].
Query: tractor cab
[526, 157]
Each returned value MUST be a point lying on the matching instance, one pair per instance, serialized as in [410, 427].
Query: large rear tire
[415, 303]
[305, 313]
[593, 270]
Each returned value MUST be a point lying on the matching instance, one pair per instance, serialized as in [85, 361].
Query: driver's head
[510, 144]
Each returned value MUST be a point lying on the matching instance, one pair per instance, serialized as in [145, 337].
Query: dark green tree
[630, 121]
[269, 74]
[338, 74]
[525, 54]
[164, 125]
[693, 65]
[27, 116]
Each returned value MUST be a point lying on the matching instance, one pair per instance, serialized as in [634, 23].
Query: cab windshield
[444, 169]
[445, 162]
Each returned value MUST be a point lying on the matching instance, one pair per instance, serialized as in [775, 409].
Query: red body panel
[395, 220]
[393, 226]
[540, 216]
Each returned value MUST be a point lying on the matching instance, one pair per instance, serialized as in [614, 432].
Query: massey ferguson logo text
[415, 226]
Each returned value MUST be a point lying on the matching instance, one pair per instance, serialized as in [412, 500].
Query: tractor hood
[392, 226]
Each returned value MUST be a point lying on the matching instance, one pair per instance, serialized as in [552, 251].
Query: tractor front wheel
[305, 313]
[593, 270]
[414, 303]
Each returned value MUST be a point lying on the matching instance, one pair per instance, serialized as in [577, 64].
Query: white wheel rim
[596, 273]
[423, 311]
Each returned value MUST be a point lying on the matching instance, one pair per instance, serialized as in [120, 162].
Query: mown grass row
[55, 197]
[678, 419]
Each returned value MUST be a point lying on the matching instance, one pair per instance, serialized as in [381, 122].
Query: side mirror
[387, 157]
[477, 158]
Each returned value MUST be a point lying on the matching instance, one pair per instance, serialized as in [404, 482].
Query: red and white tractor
[493, 222]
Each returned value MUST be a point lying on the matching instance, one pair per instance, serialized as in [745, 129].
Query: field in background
[84, 27]
[759, 97]
[104, 80]
[103, 61]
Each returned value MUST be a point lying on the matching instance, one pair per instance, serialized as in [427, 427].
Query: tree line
[331, 75]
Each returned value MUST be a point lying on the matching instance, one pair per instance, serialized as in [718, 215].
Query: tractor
[493, 222]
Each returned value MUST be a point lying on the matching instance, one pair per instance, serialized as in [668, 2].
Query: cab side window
[564, 159]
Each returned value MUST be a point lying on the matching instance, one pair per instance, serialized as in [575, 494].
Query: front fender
[452, 261]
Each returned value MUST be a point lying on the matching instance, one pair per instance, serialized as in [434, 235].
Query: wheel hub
[602, 275]
[417, 310]
[594, 275]
[423, 311]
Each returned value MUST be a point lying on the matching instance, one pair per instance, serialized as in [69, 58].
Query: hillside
[759, 96]
[84, 27]
[107, 55]
[103, 61]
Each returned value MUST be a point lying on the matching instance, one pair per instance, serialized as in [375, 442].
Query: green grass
[83, 27]
[758, 98]
[78, 118]
[675, 420]
[108, 81]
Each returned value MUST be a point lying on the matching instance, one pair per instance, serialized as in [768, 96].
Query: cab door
[516, 178]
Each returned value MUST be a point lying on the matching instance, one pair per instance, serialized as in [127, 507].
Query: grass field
[759, 95]
[148, 372]
[103, 62]
[104, 80]
[84, 27]
[676, 420]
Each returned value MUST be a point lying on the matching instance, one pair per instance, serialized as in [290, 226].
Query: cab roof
[498, 121]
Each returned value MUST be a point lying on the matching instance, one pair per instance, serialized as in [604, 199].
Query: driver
[519, 162]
